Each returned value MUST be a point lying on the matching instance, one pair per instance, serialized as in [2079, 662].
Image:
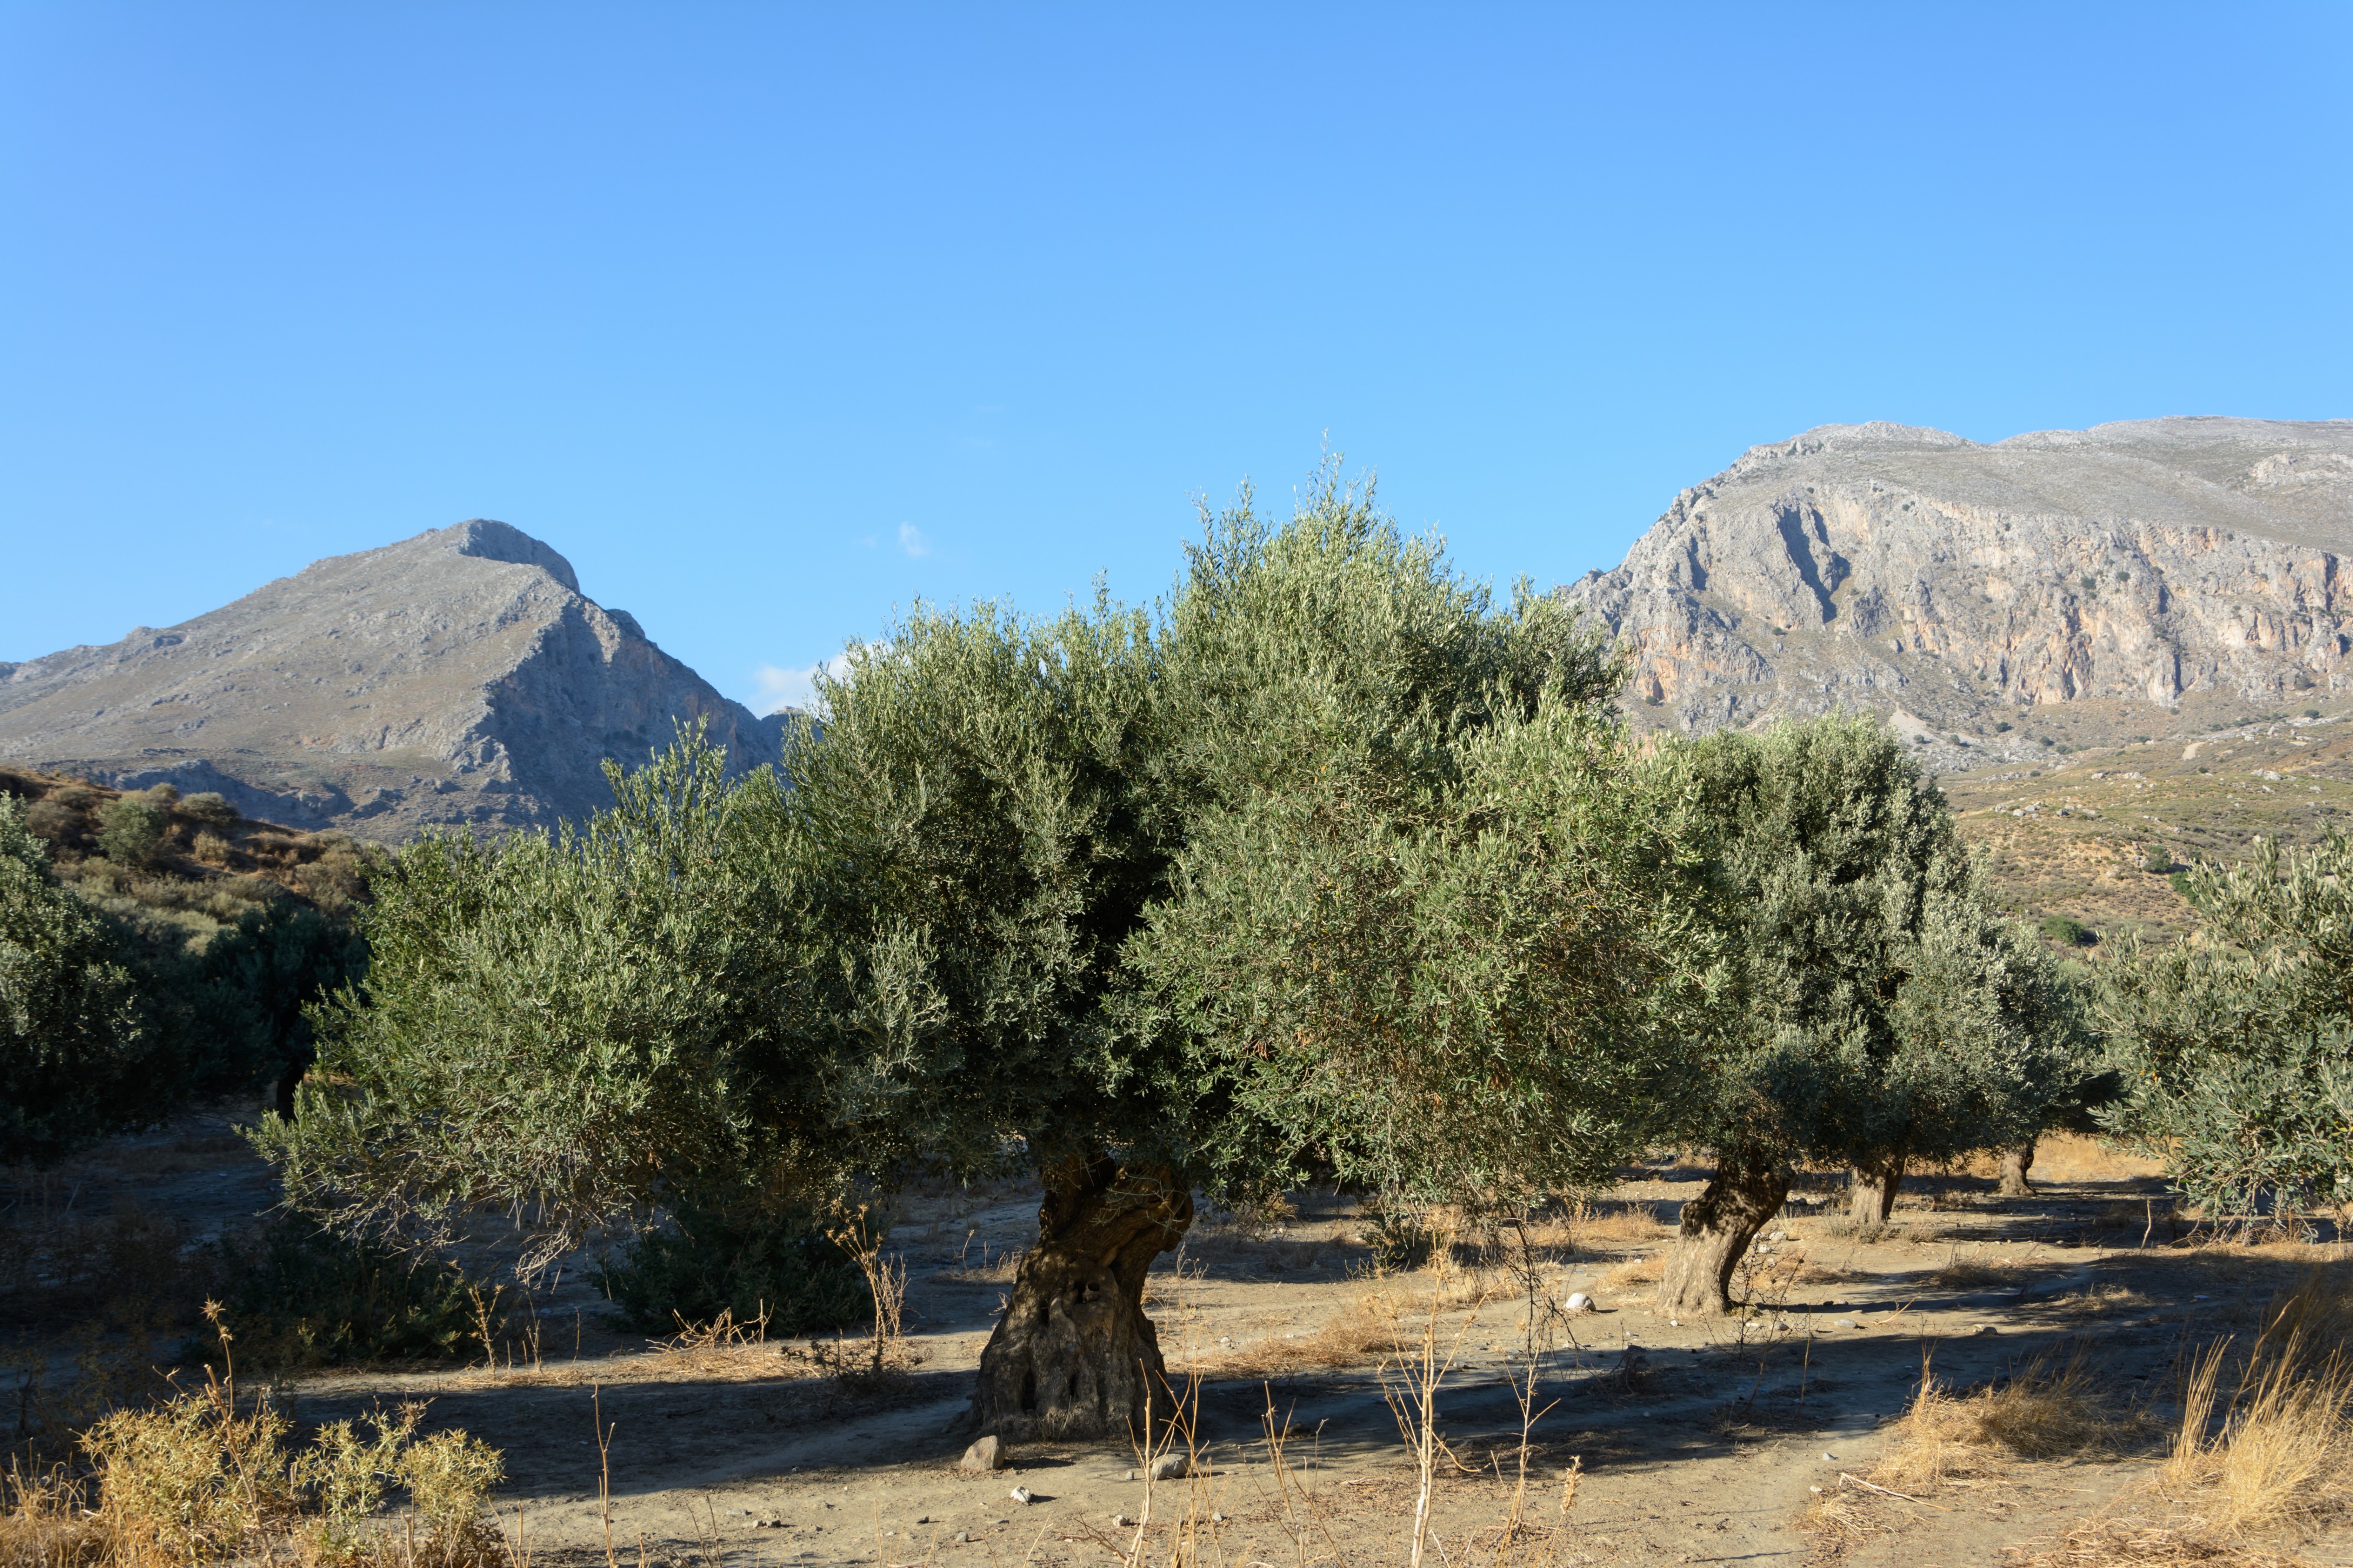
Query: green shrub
[210, 806]
[2157, 858]
[299, 1296]
[129, 829]
[711, 1261]
[2073, 933]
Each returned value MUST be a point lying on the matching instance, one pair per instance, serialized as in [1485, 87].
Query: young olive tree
[2235, 1047]
[1883, 1012]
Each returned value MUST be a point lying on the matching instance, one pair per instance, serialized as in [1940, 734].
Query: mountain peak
[487, 539]
[455, 678]
[2181, 562]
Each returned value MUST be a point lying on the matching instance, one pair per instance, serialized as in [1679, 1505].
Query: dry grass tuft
[1970, 1268]
[1618, 1222]
[1646, 1271]
[2271, 1458]
[1362, 1331]
[2042, 1412]
[1357, 1333]
[2277, 1451]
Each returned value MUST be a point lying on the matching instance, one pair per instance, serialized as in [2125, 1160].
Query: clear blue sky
[773, 320]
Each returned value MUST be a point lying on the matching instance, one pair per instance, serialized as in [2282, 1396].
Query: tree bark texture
[1739, 1200]
[1870, 1191]
[1074, 1356]
[2016, 1161]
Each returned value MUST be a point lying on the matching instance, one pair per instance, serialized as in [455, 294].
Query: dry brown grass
[2280, 1449]
[1616, 1224]
[2263, 1453]
[1362, 1331]
[1644, 1270]
[2044, 1412]
[1357, 1333]
[2072, 1157]
[1970, 1268]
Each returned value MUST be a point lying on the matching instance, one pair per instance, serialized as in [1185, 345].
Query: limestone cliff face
[1892, 568]
[457, 678]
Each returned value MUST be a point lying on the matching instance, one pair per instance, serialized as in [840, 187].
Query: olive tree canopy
[2235, 1047]
[1885, 1012]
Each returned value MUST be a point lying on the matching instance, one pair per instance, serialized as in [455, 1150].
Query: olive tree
[1881, 1012]
[2235, 1047]
[1006, 802]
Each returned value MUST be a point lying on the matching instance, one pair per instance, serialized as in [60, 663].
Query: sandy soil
[1695, 1442]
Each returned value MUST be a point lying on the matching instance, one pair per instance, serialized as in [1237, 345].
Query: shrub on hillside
[60, 824]
[129, 829]
[209, 806]
[2072, 932]
[73, 1038]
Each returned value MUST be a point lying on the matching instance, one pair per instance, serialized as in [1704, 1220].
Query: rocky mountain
[458, 677]
[2060, 587]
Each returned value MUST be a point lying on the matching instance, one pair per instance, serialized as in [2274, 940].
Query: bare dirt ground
[1743, 1440]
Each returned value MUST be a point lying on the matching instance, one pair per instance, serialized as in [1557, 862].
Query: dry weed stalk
[884, 1359]
[1304, 1517]
[1409, 1383]
[1193, 1536]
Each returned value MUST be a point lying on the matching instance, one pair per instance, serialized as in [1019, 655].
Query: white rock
[1170, 1466]
[1023, 1496]
[1578, 1301]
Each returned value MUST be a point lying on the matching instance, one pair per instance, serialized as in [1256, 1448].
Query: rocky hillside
[2000, 602]
[457, 678]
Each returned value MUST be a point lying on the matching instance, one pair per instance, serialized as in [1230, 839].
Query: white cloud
[777, 686]
[912, 540]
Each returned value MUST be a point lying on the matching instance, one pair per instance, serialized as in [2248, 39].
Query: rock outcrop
[458, 677]
[1951, 584]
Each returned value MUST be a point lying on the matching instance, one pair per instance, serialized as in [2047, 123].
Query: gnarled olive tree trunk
[2016, 1161]
[1738, 1201]
[1871, 1190]
[1074, 1356]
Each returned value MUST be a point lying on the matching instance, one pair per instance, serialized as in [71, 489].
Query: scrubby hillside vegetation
[157, 949]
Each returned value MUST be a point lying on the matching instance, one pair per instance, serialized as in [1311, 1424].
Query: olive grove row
[1328, 867]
